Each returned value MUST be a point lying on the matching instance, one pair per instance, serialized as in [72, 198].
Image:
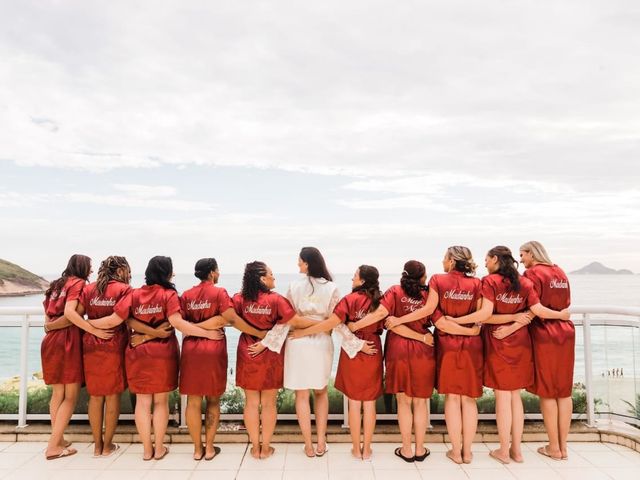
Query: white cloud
[368, 89]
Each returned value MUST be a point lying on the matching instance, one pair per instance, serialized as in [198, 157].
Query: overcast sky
[379, 131]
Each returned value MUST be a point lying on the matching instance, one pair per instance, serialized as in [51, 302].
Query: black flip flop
[420, 458]
[216, 450]
[398, 453]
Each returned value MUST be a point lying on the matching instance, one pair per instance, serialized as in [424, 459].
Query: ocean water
[613, 347]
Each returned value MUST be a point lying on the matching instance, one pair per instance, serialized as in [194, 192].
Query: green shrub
[232, 401]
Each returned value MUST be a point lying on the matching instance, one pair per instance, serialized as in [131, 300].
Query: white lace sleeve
[350, 343]
[335, 299]
[274, 339]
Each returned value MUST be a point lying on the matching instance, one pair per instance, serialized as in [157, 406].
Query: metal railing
[587, 317]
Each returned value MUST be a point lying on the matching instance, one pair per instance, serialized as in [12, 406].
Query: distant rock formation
[596, 268]
[16, 281]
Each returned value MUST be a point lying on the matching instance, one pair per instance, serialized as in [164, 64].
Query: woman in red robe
[409, 357]
[203, 362]
[458, 347]
[259, 363]
[508, 366]
[359, 374]
[61, 351]
[553, 348]
[151, 358]
[104, 358]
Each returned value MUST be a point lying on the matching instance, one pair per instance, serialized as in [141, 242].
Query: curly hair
[109, 271]
[410, 279]
[371, 286]
[251, 283]
[507, 265]
[78, 266]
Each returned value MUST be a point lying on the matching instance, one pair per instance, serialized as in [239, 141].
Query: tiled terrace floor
[25, 461]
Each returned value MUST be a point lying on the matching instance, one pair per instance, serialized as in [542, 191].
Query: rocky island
[596, 268]
[16, 281]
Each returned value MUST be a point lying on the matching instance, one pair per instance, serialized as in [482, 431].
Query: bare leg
[469, 426]
[96, 413]
[405, 422]
[321, 408]
[57, 396]
[62, 417]
[517, 426]
[420, 423]
[565, 410]
[212, 420]
[160, 421]
[453, 418]
[503, 420]
[369, 422]
[549, 408]
[194, 424]
[303, 412]
[143, 423]
[112, 412]
[268, 417]
[355, 421]
[251, 416]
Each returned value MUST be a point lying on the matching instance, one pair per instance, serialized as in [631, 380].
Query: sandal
[495, 456]
[398, 453]
[164, 454]
[543, 451]
[116, 447]
[420, 458]
[216, 451]
[304, 450]
[321, 453]
[66, 452]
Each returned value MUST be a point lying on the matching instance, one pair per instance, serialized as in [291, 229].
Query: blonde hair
[537, 251]
[463, 259]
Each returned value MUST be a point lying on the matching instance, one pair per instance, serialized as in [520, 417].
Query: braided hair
[251, 283]
[410, 279]
[507, 266]
[371, 286]
[78, 266]
[109, 271]
[204, 267]
[159, 272]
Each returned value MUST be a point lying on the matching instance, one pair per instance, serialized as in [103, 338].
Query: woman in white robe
[308, 360]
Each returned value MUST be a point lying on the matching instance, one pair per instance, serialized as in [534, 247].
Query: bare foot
[499, 456]
[547, 452]
[309, 451]
[97, 450]
[107, 451]
[516, 456]
[321, 447]
[454, 457]
[148, 455]
[198, 453]
[266, 452]
[356, 453]
[255, 451]
[467, 457]
[161, 453]
[366, 453]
